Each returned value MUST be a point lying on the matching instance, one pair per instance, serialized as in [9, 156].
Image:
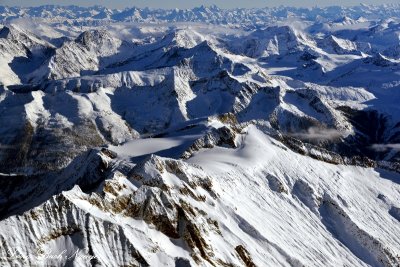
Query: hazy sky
[192, 3]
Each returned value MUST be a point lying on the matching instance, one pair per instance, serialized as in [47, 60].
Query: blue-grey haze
[193, 3]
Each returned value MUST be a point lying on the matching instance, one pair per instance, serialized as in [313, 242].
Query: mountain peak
[93, 36]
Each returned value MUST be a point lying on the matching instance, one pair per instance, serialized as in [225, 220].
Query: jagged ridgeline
[200, 137]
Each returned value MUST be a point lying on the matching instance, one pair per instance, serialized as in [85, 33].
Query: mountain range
[200, 137]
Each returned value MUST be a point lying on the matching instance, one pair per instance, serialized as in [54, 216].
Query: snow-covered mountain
[333, 17]
[201, 137]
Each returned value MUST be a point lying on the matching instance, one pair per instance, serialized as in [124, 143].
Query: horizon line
[204, 6]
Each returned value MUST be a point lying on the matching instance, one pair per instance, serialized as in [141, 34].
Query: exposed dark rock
[245, 256]
[224, 136]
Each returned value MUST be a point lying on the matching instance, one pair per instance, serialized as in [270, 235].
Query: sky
[193, 3]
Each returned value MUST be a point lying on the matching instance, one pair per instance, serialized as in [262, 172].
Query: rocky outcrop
[224, 136]
[311, 150]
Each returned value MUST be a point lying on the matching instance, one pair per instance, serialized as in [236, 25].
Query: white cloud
[319, 134]
[385, 147]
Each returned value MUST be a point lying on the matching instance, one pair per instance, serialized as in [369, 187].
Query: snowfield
[200, 137]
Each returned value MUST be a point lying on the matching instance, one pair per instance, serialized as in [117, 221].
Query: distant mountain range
[206, 14]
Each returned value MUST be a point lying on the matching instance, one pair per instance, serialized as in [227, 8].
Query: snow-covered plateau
[200, 137]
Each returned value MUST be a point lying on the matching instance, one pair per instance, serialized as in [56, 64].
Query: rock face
[157, 191]
[165, 143]
[224, 136]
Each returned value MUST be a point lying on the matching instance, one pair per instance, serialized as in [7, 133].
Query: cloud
[385, 147]
[319, 134]
[6, 146]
